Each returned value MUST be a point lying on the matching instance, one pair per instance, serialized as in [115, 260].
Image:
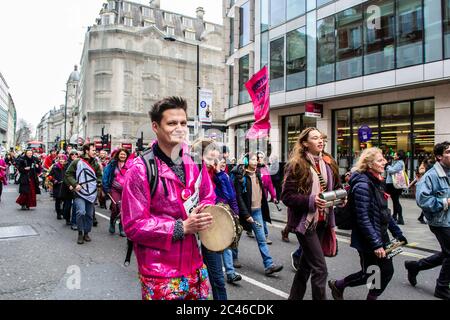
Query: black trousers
[1, 189]
[395, 196]
[58, 209]
[380, 271]
[441, 258]
[67, 208]
[312, 263]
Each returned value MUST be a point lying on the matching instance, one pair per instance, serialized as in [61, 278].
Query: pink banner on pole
[258, 88]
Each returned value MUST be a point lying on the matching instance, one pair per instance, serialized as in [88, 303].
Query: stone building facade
[134, 56]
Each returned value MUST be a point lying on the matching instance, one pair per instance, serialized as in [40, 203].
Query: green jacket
[70, 177]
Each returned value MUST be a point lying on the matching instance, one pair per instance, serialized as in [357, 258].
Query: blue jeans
[213, 261]
[73, 221]
[227, 257]
[266, 231]
[235, 253]
[85, 213]
[261, 238]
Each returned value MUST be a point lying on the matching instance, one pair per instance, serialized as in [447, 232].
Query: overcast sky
[41, 41]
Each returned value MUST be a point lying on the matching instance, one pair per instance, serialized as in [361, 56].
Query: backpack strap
[151, 170]
[148, 157]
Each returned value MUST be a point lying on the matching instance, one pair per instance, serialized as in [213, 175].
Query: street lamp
[172, 39]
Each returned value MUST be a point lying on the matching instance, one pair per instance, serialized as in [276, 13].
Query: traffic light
[104, 140]
[140, 144]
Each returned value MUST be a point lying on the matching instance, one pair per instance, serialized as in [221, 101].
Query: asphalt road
[51, 265]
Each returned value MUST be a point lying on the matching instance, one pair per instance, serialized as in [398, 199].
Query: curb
[345, 234]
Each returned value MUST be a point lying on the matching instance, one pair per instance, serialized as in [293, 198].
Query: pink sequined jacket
[149, 223]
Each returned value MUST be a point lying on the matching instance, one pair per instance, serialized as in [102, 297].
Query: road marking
[245, 278]
[279, 292]
[103, 216]
[265, 287]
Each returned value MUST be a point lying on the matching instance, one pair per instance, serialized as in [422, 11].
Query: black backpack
[148, 158]
[344, 216]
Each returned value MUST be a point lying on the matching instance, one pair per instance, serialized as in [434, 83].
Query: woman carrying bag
[308, 173]
[398, 166]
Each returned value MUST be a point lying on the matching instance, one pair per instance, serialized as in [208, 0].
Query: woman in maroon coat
[309, 172]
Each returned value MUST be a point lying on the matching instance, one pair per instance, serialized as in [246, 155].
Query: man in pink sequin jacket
[169, 260]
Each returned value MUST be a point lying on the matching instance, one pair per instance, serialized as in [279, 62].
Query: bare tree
[23, 133]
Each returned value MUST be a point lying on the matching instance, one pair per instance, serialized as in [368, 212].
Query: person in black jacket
[29, 167]
[372, 220]
[253, 207]
[56, 176]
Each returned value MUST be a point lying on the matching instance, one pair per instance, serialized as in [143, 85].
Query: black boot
[442, 292]
[413, 271]
[122, 234]
[112, 227]
[80, 237]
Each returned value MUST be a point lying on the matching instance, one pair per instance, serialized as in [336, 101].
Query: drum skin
[221, 234]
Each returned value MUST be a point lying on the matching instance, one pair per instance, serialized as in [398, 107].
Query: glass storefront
[407, 126]
[292, 127]
[244, 145]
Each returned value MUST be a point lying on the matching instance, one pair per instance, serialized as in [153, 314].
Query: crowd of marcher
[161, 199]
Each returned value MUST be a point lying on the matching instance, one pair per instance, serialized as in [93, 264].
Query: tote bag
[400, 180]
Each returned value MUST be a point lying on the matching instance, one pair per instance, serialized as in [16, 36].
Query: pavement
[419, 235]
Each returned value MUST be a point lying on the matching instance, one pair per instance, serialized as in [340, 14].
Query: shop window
[343, 152]
[349, 43]
[379, 33]
[365, 129]
[396, 128]
[325, 50]
[409, 33]
[277, 65]
[292, 127]
[296, 59]
[423, 127]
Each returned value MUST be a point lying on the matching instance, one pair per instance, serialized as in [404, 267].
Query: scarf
[319, 185]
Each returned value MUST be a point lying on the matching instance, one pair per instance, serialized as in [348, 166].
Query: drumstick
[395, 246]
[111, 199]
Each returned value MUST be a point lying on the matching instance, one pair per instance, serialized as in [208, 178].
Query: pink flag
[258, 88]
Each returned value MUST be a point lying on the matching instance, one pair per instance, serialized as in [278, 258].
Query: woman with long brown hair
[309, 172]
